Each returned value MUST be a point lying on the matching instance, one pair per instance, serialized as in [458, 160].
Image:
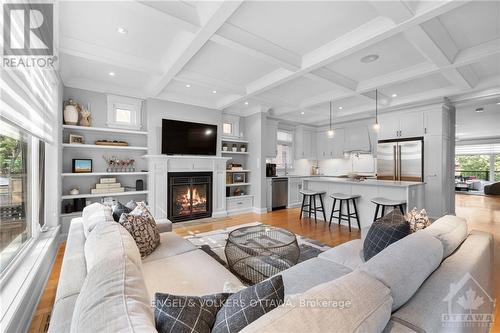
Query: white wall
[158, 109]
[254, 126]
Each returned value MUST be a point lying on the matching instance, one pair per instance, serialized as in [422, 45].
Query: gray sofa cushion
[403, 266]
[368, 310]
[170, 245]
[93, 214]
[450, 230]
[60, 318]
[425, 309]
[349, 254]
[310, 273]
[113, 299]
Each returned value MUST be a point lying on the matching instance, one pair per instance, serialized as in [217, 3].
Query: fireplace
[189, 195]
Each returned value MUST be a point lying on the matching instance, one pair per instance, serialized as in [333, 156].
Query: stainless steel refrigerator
[401, 160]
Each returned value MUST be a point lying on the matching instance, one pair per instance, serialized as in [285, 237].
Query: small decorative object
[139, 185]
[234, 148]
[76, 139]
[71, 112]
[114, 164]
[85, 118]
[224, 147]
[82, 165]
[237, 191]
[238, 177]
[243, 148]
[74, 191]
[417, 220]
[111, 143]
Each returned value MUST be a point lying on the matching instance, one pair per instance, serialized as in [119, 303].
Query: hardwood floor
[482, 213]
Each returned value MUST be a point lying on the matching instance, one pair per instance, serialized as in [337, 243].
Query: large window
[472, 166]
[497, 168]
[284, 148]
[15, 175]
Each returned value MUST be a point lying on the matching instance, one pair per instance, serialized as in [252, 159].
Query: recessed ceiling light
[214, 91]
[302, 112]
[479, 110]
[498, 103]
[394, 95]
[340, 107]
[370, 58]
[121, 30]
[188, 86]
[111, 73]
[246, 103]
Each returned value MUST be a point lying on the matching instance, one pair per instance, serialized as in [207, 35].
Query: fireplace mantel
[160, 165]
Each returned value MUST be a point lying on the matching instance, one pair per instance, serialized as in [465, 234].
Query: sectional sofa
[104, 285]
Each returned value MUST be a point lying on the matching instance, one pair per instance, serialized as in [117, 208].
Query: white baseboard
[239, 211]
[258, 210]
[221, 213]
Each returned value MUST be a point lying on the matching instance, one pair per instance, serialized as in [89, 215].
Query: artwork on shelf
[239, 177]
[76, 139]
[82, 165]
[85, 117]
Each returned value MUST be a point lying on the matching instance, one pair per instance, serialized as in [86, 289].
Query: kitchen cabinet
[357, 139]
[328, 148]
[401, 125]
[271, 138]
[294, 196]
[305, 143]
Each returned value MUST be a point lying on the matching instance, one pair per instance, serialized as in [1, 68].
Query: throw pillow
[385, 231]
[417, 220]
[131, 205]
[141, 209]
[250, 304]
[144, 232]
[118, 210]
[186, 314]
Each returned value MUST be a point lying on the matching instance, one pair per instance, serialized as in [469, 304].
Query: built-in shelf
[103, 129]
[232, 171]
[96, 174]
[237, 184]
[235, 140]
[239, 196]
[100, 195]
[86, 146]
[235, 152]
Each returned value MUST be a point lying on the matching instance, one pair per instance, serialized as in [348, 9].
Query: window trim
[128, 103]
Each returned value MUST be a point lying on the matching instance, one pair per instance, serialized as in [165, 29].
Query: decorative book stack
[107, 185]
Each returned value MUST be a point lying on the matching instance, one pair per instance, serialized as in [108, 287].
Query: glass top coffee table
[257, 252]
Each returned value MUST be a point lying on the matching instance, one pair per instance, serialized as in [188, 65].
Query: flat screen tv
[186, 138]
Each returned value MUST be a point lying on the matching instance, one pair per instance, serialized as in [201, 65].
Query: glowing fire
[191, 196]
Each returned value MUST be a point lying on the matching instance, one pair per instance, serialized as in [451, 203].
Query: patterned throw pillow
[118, 210]
[131, 205]
[385, 231]
[417, 220]
[250, 304]
[143, 230]
[186, 314]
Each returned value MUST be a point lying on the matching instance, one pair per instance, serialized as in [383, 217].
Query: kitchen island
[412, 192]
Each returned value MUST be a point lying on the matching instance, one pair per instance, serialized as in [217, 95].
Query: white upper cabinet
[305, 143]
[401, 125]
[271, 138]
[330, 147]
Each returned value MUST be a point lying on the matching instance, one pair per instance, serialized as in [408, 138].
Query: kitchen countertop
[372, 182]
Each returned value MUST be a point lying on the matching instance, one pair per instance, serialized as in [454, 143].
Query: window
[227, 128]
[15, 207]
[497, 168]
[472, 166]
[284, 148]
[124, 112]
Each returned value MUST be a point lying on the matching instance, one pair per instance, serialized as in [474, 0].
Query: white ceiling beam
[78, 48]
[335, 78]
[396, 10]
[190, 77]
[476, 53]
[243, 41]
[180, 98]
[175, 60]
[183, 15]
[103, 87]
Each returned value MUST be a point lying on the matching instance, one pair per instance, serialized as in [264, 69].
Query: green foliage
[10, 156]
[473, 162]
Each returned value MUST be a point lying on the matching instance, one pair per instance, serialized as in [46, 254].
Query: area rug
[213, 243]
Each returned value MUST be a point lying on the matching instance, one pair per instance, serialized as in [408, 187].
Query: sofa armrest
[164, 226]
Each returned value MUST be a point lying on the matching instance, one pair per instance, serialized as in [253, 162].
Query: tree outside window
[472, 166]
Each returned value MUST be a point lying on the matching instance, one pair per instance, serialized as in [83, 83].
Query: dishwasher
[279, 193]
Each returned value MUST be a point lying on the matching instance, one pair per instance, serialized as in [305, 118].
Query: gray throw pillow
[383, 232]
[187, 314]
[131, 205]
[249, 304]
[120, 209]
[143, 230]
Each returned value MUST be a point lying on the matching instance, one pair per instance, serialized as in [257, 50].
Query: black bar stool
[311, 207]
[384, 202]
[341, 197]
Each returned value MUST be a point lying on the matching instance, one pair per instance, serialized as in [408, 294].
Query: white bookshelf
[233, 171]
[234, 152]
[103, 129]
[238, 184]
[102, 195]
[88, 146]
[106, 174]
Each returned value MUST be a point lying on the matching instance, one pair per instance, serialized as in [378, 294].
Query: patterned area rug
[213, 243]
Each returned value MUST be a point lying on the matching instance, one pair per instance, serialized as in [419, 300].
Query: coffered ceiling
[289, 58]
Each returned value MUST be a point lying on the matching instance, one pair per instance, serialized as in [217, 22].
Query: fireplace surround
[189, 195]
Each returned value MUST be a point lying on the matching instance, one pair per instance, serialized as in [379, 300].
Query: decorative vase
[70, 113]
[243, 149]
[235, 149]
[224, 148]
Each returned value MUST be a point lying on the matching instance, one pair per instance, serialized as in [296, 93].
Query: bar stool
[312, 200]
[341, 197]
[384, 202]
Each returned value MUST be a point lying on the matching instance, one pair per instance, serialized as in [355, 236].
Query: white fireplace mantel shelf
[160, 165]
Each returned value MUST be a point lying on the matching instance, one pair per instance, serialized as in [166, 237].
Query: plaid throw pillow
[249, 305]
[186, 314]
[143, 230]
[385, 231]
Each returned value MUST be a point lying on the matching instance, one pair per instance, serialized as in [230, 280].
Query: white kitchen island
[412, 192]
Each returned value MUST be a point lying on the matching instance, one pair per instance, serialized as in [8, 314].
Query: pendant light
[330, 131]
[376, 126]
